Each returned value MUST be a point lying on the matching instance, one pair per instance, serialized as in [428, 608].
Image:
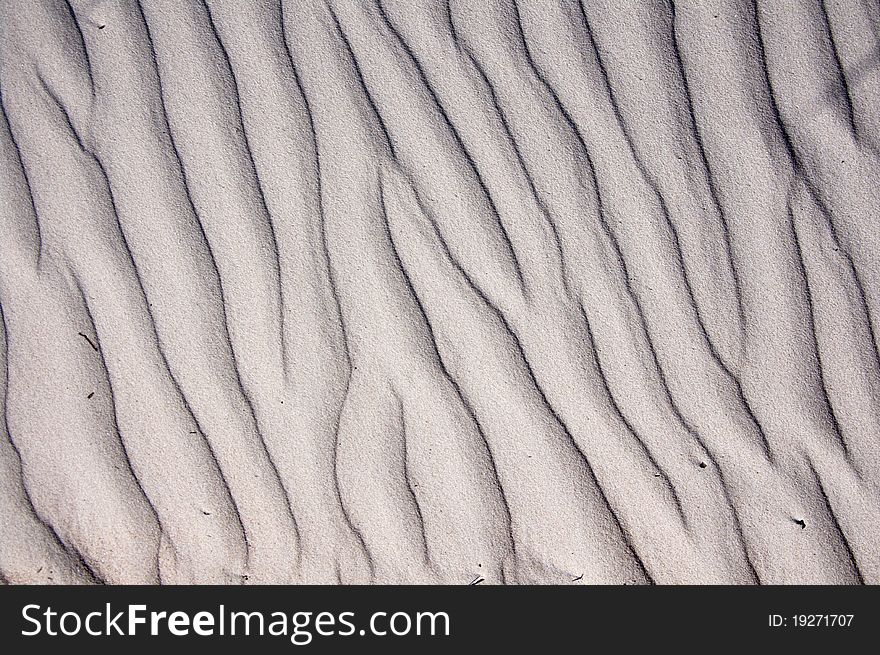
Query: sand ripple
[422, 291]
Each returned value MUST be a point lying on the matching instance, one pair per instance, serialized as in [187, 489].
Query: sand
[415, 291]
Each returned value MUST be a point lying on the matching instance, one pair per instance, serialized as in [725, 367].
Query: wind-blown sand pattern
[530, 291]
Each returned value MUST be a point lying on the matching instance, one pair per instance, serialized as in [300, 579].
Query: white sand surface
[427, 291]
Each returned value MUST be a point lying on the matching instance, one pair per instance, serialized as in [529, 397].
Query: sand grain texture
[527, 291]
